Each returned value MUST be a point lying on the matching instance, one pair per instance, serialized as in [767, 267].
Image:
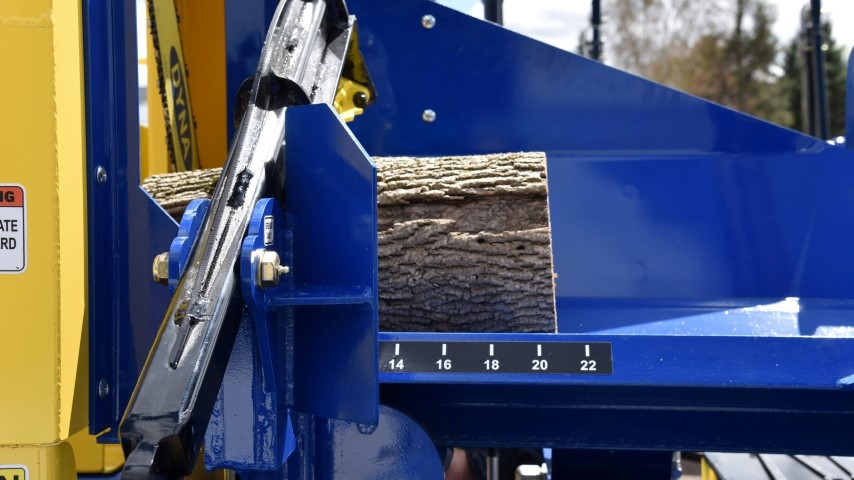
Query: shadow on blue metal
[610, 464]
[396, 448]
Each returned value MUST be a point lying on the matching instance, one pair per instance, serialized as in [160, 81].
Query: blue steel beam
[495, 90]
[126, 227]
[668, 392]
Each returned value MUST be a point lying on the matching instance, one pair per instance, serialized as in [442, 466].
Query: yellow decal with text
[174, 93]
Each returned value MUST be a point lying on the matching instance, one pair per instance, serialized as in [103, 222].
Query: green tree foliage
[792, 83]
[652, 38]
[735, 67]
[725, 51]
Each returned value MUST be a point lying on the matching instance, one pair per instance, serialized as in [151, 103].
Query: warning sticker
[14, 472]
[13, 230]
[268, 230]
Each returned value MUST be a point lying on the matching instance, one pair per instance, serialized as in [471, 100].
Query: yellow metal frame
[45, 343]
[44, 347]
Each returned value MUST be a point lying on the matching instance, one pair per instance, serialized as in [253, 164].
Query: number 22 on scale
[588, 365]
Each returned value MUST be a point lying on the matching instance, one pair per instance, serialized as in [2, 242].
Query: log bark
[173, 191]
[464, 243]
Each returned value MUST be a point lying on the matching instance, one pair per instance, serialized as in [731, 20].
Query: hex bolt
[160, 268]
[428, 21]
[360, 99]
[429, 116]
[103, 388]
[101, 175]
[269, 268]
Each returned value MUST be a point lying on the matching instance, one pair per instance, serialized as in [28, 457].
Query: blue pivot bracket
[331, 208]
[182, 245]
[306, 350]
[267, 437]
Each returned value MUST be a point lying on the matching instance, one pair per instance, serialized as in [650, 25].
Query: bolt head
[429, 116]
[101, 175]
[360, 99]
[160, 268]
[269, 269]
[428, 21]
[103, 388]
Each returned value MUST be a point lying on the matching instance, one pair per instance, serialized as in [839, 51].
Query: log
[464, 243]
[173, 191]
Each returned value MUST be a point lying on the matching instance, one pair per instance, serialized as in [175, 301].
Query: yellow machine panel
[45, 349]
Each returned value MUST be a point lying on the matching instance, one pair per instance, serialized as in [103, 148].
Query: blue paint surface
[126, 228]
[682, 232]
[182, 245]
[307, 349]
[330, 199]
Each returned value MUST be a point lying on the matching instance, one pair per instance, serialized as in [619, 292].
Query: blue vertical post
[849, 104]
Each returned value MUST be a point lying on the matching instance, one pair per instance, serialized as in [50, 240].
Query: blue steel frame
[302, 378]
[681, 231]
[126, 228]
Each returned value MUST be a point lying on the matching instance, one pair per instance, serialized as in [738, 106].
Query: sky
[559, 22]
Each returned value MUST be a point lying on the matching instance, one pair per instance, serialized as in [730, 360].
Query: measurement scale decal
[586, 358]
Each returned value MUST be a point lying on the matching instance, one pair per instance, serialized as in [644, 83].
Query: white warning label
[13, 229]
[268, 230]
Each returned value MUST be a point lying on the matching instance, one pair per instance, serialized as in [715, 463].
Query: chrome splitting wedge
[310, 46]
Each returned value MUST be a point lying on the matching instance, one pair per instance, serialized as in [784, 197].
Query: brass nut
[269, 269]
[160, 268]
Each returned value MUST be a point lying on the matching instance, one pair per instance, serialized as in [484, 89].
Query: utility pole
[814, 81]
[493, 10]
[596, 23]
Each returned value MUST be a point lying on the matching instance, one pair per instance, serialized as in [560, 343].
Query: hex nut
[160, 268]
[269, 269]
